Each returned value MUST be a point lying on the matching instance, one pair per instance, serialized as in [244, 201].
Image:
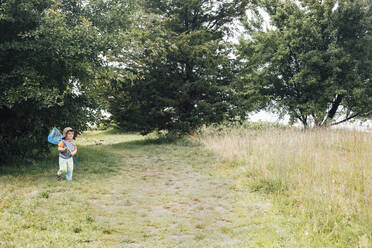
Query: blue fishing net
[55, 136]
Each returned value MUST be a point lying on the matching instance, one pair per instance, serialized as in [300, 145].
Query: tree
[313, 62]
[51, 52]
[176, 74]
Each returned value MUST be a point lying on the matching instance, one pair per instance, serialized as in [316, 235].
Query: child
[67, 148]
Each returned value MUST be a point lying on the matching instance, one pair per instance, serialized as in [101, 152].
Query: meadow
[222, 187]
[319, 179]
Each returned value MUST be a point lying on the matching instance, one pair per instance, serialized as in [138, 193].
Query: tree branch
[346, 119]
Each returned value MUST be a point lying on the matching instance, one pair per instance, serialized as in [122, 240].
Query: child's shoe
[59, 177]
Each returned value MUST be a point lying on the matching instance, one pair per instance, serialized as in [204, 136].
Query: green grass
[247, 187]
[131, 191]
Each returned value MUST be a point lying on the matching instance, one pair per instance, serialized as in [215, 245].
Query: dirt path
[170, 196]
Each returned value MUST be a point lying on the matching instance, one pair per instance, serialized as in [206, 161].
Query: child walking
[67, 148]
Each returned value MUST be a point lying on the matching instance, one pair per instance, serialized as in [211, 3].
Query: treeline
[171, 64]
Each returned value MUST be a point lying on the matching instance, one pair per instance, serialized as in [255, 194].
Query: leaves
[314, 52]
[51, 56]
[177, 66]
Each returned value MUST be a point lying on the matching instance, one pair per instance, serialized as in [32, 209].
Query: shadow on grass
[92, 159]
[146, 143]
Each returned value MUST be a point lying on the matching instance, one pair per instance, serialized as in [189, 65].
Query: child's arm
[75, 151]
[61, 147]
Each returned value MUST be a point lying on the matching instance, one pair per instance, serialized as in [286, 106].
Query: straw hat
[67, 129]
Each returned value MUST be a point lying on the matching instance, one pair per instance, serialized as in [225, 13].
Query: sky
[270, 117]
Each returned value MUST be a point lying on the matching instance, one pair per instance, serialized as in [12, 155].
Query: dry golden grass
[320, 178]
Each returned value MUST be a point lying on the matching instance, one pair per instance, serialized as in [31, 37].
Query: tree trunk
[332, 112]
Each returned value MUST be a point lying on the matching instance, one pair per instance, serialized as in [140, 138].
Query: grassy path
[129, 192]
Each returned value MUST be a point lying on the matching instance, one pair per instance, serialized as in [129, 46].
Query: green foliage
[242, 127]
[50, 60]
[314, 62]
[176, 73]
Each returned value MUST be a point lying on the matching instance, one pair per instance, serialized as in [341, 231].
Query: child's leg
[70, 168]
[62, 166]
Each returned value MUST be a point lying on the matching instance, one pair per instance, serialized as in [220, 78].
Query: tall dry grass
[320, 178]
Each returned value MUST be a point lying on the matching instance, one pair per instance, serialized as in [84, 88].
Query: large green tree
[313, 61]
[176, 75]
[51, 53]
